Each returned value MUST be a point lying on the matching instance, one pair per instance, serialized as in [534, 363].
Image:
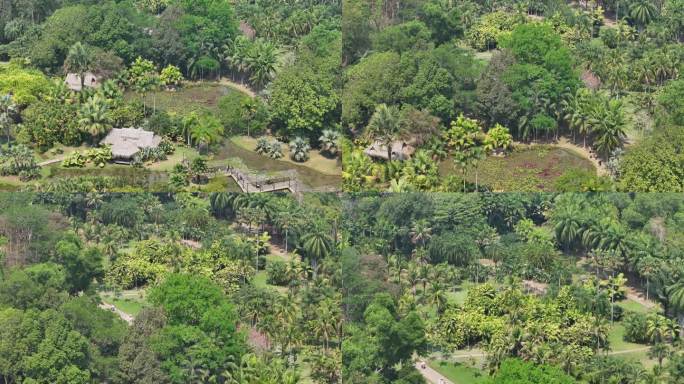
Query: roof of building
[73, 81]
[126, 142]
[400, 150]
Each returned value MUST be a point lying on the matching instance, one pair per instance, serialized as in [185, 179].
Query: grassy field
[528, 169]
[130, 301]
[192, 96]
[633, 306]
[317, 162]
[255, 162]
[458, 373]
[181, 153]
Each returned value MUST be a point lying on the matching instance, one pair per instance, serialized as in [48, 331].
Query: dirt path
[431, 375]
[51, 161]
[563, 142]
[123, 315]
[244, 88]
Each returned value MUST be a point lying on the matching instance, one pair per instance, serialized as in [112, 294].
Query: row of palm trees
[254, 60]
[592, 114]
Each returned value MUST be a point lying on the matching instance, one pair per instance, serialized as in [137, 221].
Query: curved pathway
[244, 88]
[563, 142]
[123, 315]
[431, 375]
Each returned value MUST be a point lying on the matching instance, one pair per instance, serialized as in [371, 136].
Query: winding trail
[123, 315]
[565, 143]
[431, 375]
[244, 88]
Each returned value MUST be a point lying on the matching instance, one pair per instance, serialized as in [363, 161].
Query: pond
[256, 162]
[528, 169]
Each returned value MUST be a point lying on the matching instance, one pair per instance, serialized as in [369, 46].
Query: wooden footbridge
[258, 183]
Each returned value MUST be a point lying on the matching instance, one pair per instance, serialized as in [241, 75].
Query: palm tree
[643, 11]
[262, 60]
[575, 109]
[206, 130]
[608, 125]
[221, 203]
[78, 60]
[329, 141]
[656, 328]
[384, 126]
[299, 149]
[437, 297]
[659, 351]
[94, 117]
[284, 220]
[567, 224]
[420, 232]
[675, 299]
[316, 245]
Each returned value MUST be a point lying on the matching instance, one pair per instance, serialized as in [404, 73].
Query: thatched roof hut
[400, 150]
[127, 142]
[73, 81]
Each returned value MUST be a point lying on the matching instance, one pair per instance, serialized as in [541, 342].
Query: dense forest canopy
[522, 288]
[124, 288]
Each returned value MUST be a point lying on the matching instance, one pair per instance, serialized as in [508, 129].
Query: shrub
[636, 328]
[277, 273]
[276, 150]
[299, 149]
[171, 76]
[19, 161]
[74, 160]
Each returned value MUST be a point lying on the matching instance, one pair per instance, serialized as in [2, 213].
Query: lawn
[192, 96]
[231, 153]
[526, 169]
[130, 301]
[633, 306]
[181, 153]
[457, 372]
[316, 161]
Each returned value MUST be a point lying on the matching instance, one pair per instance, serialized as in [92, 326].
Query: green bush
[277, 273]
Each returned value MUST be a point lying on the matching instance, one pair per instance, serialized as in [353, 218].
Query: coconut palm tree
[608, 126]
[222, 203]
[94, 117]
[384, 126]
[79, 60]
[316, 245]
[643, 12]
[567, 224]
[262, 62]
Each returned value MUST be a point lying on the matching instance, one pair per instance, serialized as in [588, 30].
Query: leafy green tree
[516, 371]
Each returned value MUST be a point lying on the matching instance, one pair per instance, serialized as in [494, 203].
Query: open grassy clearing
[181, 153]
[526, 169]
[130, 301]
[458, 373]
[190, 97]
[230, 152]
[316, 161]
